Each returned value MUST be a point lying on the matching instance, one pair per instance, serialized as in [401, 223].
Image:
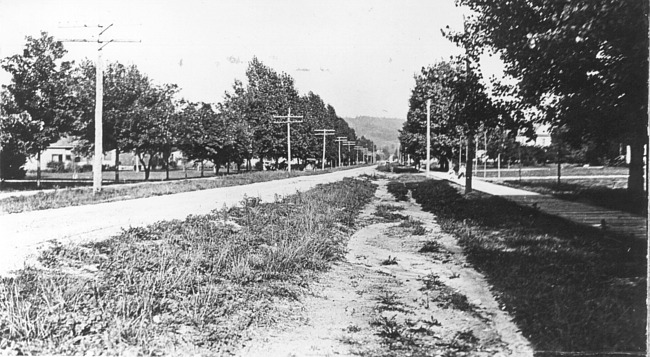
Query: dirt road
[23, 234]
[402, 290]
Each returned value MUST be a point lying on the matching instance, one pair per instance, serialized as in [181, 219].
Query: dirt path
[389, 299]
[23, 234]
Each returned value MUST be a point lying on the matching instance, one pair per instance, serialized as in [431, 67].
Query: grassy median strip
[180, 287]
[83, 196]
[569, 287]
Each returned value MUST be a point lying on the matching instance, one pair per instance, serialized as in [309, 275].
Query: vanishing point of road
[23, 234]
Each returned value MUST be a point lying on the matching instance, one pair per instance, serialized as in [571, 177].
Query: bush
[56, 166]
[12, 164]
[85, 168]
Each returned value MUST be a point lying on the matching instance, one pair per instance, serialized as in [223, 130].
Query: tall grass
[178, 287]
[569, 287]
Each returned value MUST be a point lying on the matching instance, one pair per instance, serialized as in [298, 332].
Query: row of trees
[49, 98]
[581, 67]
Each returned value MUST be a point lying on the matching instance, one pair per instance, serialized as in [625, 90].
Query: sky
[360, 56]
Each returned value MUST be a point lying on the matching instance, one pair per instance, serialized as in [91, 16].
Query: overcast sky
[359, 56]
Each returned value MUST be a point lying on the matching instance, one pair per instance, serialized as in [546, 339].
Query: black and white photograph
[370, 178]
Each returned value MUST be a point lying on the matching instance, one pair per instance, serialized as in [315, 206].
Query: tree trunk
[635, 178]
[227, 168]
[468, 163]
[147, 167]
[201, 168]
[166, 159]
[445, 164]
[117, 165]
[38, 170]
[1, 177]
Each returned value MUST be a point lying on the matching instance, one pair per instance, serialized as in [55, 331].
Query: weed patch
[431, 247]
[387, 211]
[389, 261]
[398, 190]
[179, 287]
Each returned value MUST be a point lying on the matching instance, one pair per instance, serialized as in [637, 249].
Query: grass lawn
[76, 197]
[551, 170]
[569, 288]
[190, 287]
[604, 192]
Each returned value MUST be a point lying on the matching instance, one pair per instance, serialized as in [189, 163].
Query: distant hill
[382, 131]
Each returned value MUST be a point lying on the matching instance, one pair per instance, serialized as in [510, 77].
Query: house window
[68, 158]
[57, 157]
[77, 159]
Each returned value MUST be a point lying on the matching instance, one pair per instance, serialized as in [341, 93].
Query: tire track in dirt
[388, 299]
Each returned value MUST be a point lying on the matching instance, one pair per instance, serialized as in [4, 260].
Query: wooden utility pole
[340, 139]
[428, 135]
[288, 117]
[99, 97]
[324, 133]
[349, 144]
[358, 148]
[470, 137]
[485, 155]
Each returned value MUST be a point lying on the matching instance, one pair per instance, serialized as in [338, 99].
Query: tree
[460, 106]
[583, 62]
[153, 126]
[123, 87]
[40, 85]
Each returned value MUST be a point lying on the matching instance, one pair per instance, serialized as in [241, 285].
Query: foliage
[123, 87]
[459, 108]
[40, 86]
[583, 63]
[16, 132]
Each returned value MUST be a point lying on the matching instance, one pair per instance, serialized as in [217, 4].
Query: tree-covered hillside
[382, 131]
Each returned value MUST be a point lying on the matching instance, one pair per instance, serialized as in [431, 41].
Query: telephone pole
[350, 144]
[99, 97]
[324, 133]
[340, 139]
[358, 148]
[288, 117]
[428, 135]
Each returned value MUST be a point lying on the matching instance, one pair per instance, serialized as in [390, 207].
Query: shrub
[56, 166]
[12, 163]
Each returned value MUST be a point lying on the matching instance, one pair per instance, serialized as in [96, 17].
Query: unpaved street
[22, 234]
[390, 298]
